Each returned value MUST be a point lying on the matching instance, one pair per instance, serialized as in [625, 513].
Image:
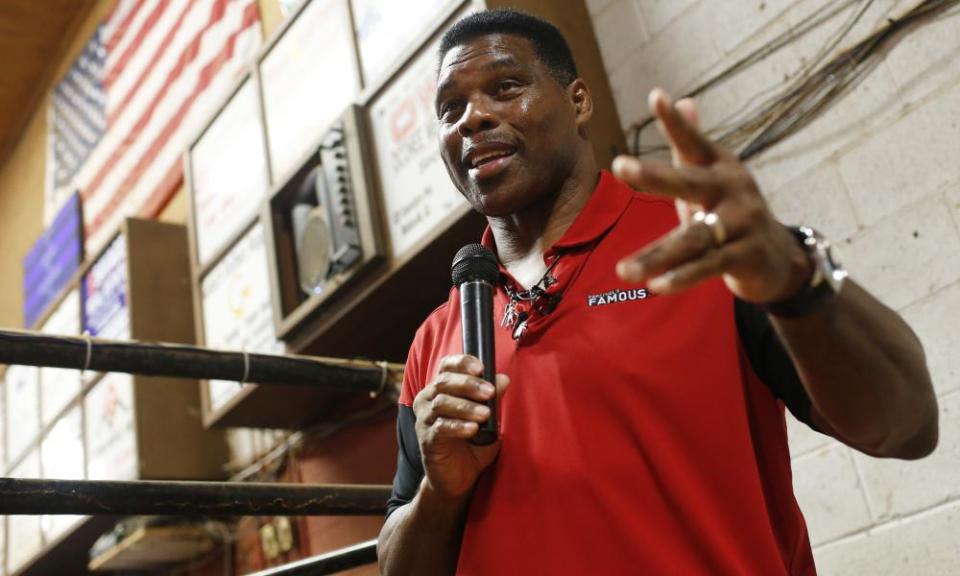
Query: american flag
[147, 81]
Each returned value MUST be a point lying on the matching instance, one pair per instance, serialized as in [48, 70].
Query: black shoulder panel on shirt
[770, 360]
[409, 464]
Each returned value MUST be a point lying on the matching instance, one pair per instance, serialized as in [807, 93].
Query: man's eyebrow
[505, 61]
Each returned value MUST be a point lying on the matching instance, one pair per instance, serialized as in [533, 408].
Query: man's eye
[508, 85]
[446, 110]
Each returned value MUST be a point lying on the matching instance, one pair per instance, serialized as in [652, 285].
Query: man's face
[508, 130]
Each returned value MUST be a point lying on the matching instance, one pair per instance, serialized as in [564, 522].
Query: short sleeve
[409, 464]
[769, 359]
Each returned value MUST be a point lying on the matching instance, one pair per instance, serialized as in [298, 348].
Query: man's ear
[582, 100]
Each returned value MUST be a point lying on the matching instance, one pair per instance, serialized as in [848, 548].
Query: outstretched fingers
[678, 124]
[693, 184]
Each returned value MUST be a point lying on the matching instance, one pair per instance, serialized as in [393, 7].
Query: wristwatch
[824, 285]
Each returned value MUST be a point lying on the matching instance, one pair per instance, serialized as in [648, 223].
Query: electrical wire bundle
[816, 87]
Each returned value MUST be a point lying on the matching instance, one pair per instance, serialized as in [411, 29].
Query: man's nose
[476, 118]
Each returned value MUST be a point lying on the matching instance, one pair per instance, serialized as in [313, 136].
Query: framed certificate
[62, 457]
[237, 309]
[417, 193]
[59, 386]
[111, 429]
[309, 75]
[24, 539]
[22, 405]
[386, 29]
[228, 170]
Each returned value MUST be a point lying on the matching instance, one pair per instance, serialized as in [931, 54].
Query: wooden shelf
[69, 553]
[150, 547]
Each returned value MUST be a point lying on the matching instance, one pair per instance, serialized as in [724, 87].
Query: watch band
[823, 285]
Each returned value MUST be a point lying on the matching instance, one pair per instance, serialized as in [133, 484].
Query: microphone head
[474, 262]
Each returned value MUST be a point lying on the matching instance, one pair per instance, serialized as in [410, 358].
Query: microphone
[475, 274]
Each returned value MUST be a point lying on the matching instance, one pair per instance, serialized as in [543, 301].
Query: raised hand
[726, 227]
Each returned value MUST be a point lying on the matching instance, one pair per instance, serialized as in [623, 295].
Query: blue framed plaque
[54, 259]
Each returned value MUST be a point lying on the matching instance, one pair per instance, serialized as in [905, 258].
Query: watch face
[829, 264]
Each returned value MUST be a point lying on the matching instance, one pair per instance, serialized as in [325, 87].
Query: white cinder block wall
[880, 175]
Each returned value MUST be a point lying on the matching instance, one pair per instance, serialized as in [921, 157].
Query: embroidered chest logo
[618, 295]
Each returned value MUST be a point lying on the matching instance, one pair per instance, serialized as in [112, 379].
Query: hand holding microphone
[456, 413]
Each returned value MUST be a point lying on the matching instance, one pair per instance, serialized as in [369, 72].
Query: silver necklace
[540, 301]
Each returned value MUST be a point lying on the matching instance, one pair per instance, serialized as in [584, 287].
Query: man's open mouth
[488, 160]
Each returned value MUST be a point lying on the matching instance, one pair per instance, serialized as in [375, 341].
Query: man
[642, 433]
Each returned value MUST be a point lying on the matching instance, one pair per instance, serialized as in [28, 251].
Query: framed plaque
[309, 75]
[24, 539]
[386, 29]
[111, 435]
[417, 193]
[104, 286]
[228, 171]
[22, 387]
[3, 544]
[3, 432]
[52, 261]
[62, 458]
[237, 310]
[59, 385]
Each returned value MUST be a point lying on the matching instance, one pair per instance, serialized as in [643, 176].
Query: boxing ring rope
[202, 499]
[154, 498]
[194, 362]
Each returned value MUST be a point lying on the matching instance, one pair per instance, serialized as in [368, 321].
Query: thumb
[503, 382]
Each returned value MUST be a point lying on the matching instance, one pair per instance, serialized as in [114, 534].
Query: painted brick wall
[879, 174]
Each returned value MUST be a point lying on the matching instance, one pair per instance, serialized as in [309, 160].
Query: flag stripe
[134, 45]
[125, 24]
[117, 135]
[189, 54]
[167, 41]
[250, 17]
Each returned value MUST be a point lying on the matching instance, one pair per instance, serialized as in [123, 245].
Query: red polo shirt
[636, 438]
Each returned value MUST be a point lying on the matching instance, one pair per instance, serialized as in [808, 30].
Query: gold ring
[717, 230]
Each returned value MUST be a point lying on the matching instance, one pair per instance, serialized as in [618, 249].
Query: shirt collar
[602, 210]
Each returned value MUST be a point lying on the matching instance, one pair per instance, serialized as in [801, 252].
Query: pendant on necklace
[521, 326]
[509, 314]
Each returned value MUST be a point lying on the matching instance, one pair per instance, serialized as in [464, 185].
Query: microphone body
[475, 272]
[476, 314]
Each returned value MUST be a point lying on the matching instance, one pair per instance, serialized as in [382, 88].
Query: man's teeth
[489, 156]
